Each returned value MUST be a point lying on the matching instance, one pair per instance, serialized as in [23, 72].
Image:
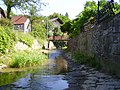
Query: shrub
[39, 32]
[5, 22]
[7, 39]
[26, 59]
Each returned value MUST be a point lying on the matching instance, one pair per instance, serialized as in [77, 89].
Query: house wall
[56, 23]
[27, 26]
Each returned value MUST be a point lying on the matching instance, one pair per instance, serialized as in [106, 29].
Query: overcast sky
[73, 7]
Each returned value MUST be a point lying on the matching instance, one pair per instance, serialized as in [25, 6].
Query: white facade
[27, 26]
[55, 22]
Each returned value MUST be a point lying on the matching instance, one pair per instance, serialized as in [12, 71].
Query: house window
[16, 27]
[19, 27]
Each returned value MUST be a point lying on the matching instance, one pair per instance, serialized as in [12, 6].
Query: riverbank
[82, 77]
[48, 77]
[22, 59]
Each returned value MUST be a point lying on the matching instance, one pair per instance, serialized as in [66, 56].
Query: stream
[49, 77]
[58, 74]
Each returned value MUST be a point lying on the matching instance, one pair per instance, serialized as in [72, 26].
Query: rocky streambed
[82, 77]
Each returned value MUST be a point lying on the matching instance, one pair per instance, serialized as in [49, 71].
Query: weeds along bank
[11, 55]
[25, 59]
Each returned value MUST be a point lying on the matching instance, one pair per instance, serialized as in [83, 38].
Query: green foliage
[87, 15]
[84, 59]
[64, 18]
[38, 31]
[5, 22]
[57, 31]
[23, 5]
[66, 27]
[7, 39]
[25, 38]
[28, 58]
[39, 28]
[117, 8]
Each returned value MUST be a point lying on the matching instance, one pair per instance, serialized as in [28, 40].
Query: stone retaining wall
[102, 40]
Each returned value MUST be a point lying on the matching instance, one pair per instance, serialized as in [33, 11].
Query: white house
[56, 22]
[21, 23]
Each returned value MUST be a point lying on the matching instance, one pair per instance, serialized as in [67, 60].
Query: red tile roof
[19, 19]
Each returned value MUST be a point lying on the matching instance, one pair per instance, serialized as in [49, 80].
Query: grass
[106, 66]
[24, 59]
[84, 59]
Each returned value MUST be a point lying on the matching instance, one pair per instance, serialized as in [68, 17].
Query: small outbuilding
[21, 23]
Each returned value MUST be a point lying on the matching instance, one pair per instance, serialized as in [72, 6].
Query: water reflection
[49, 82]
[53, 54]
[45, 78]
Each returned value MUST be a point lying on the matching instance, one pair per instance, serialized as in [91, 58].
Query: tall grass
[89, 60]
[27, 59]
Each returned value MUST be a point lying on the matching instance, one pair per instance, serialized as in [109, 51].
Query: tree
[21, 4]
[66, 27]
[66, 14]
[90, 11]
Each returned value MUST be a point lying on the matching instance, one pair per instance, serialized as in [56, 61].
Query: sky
[72, 7]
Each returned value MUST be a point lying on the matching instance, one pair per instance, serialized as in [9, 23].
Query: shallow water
[48, 77]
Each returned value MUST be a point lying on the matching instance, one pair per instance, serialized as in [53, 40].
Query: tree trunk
[8, 11]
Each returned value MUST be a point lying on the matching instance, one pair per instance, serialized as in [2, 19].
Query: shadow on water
[49, 77]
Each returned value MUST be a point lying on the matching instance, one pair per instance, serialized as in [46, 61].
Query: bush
[38, 31]
[26, 59]
[5, 22]
[7, 39]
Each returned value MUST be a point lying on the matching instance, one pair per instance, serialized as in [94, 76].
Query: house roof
[2, 12]
[19, 19]
[59, 20]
